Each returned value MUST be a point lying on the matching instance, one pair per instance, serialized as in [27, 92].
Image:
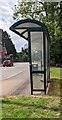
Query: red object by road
[7, 63]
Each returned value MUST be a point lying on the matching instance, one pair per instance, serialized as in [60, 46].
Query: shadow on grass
[54, 88]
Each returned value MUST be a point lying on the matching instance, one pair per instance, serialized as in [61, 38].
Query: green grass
[31, 107]
[55, 72]
[35, 106]
[54, 89]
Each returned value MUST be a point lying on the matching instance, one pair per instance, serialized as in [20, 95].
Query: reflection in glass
[37, 51]
[38, 81]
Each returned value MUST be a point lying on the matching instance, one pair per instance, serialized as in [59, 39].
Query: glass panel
[25, 34]
[38, 81]
[37, 52]
[47, 67]
[20, 30]
[23, 25]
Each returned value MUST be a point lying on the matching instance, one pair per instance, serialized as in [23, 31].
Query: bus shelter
[36, 33]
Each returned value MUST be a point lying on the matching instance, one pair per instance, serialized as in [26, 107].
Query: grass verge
[55, 72]
[31, 107]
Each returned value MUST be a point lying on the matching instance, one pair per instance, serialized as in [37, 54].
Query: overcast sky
[6, 20]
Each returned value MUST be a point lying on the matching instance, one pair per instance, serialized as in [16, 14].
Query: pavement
[17, 85]
[15, 80]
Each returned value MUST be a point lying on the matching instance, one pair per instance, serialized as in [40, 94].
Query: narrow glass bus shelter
[36, 33]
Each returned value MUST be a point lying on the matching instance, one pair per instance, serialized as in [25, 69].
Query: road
[15, 80]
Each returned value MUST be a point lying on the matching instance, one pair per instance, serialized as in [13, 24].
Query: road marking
[14, 75]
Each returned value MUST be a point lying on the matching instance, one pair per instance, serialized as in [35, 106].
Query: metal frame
[43, 29]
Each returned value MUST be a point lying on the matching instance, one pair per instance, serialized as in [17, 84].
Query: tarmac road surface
[15, 80]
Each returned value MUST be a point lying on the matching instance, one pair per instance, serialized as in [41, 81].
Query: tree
[48, 13]
[29, 9]
[8, 44]
[23, 55]
[52, 21]
[60, 23]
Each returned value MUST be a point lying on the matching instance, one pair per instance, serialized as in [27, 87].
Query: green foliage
[8, 44]
[23, 55]
[55, 108]
[52, 21]
[48, 13]
[28, 10]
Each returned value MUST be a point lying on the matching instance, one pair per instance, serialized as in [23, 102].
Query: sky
[6, 20]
